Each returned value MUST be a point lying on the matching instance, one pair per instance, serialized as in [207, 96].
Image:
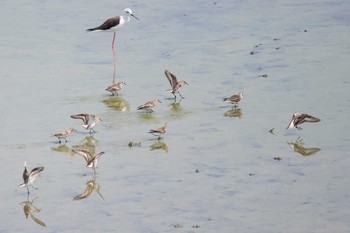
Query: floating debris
[277, 158]
[178, 225]
[271, 131]
[132, 144]
[262, 75]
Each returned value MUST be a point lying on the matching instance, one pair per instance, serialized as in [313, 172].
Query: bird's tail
[90, 29]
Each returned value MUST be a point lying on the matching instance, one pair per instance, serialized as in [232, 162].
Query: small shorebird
[114, 24]
[149, 105]
[174, 83]
[91, 161]
[160, 131]
[234, 99]
[90, 121]
[28, 178]
[114, 88]
[63, 134]
[299, 118]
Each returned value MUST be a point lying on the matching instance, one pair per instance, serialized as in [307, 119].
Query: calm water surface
[217, 169]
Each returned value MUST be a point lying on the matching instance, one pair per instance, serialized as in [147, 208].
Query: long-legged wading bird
[89, 120]
[91, 160]
[149, 105]
[29, 177]
[114, 88]
[174, 83]
[114, 24]
[234, 99]
[160, 131]
[63, 134]
[299, 118]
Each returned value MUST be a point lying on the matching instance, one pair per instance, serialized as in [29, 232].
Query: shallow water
[211, 172]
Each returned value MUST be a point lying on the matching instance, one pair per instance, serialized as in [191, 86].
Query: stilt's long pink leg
[115, 62]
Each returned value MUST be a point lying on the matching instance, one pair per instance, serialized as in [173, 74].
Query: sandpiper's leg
[59, 140]
[114, 59]
[65, 140]
[180, 94]
[28, 190]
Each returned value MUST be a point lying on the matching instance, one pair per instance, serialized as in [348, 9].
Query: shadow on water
[91, 185]
[117, 103]
[29, 210]
[298, 146]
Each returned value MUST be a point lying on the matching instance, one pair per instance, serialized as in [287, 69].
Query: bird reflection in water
[117, 103]
[159, 145]
[236, 112]
[89, 143]
[29, 210]
[176, 107]
[91, 185]
[298, 146]
[64, 149]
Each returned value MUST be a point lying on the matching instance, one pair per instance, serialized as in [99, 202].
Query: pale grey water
[215, 173]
